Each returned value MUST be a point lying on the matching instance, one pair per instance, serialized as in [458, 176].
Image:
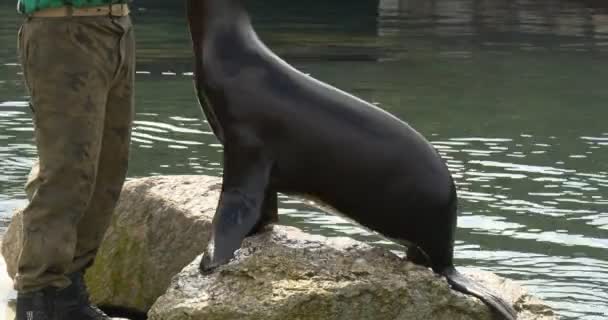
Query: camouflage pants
[80, 74]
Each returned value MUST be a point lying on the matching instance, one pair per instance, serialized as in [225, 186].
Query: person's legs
[68, 94]
[71, 66]
[114, 156]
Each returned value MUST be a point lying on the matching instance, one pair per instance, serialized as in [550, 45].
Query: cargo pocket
[22, 54]
[19, 45]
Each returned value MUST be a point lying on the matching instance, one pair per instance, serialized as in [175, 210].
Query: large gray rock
[162, 223]
[288, 274]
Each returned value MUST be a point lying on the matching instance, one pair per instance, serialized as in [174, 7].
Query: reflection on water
[511, 93]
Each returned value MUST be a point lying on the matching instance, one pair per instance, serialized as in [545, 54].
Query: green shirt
[30, 6]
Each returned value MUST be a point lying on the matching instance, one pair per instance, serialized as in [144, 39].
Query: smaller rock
[11, 246]
[6, 292]
[160, 224]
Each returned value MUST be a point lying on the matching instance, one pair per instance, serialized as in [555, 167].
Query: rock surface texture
[288, 274]
[162, 224]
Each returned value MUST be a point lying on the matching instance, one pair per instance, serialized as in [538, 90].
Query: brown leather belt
[115, 10]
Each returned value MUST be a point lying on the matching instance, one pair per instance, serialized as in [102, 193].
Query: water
[512, 93]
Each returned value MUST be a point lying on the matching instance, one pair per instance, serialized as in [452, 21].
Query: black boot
[71, 303]
[37, 305]
[74, 302]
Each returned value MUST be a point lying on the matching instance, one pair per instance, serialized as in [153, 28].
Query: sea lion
[284, 131]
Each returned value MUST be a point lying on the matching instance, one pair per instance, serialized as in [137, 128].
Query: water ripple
[522, 167]
[491, 81]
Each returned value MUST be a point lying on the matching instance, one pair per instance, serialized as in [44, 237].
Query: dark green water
[512, 93]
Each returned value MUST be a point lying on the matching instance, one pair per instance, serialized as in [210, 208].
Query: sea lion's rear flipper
[244, 189]
[463, 284]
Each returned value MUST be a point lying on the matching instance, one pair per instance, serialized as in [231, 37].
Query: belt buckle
[117, 13]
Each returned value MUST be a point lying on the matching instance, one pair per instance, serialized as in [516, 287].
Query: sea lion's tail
[463, 284]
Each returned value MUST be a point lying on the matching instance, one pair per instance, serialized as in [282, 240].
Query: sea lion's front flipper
[270, 212]
[244, 191]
